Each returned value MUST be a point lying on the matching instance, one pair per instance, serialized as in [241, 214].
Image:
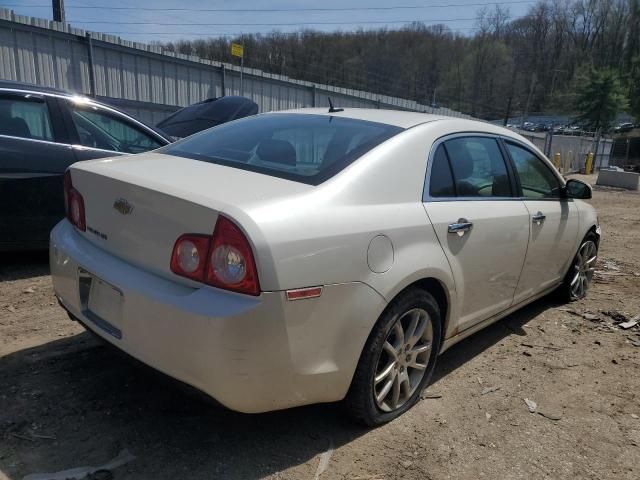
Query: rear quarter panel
[322, 237]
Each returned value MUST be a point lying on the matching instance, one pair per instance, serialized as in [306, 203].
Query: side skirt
[449, 342]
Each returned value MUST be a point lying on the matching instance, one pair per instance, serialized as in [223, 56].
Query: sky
[163, 20]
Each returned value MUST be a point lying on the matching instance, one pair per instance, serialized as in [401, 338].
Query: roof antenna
[332, 109]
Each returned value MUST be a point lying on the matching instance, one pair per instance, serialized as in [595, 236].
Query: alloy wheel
[583, 269]
[403, 360]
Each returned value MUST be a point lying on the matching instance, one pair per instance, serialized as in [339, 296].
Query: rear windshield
[299, 147]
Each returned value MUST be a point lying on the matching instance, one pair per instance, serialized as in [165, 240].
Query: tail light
[189, 257]
[224, 259]
[73, 204]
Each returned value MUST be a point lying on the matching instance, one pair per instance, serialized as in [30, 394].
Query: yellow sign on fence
[237, 50]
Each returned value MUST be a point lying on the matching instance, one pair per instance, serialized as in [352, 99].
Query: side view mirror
[577, 189]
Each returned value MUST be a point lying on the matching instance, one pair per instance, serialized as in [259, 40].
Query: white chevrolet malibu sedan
[310, 256]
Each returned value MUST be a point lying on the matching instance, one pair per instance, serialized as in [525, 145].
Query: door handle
[538, 218]
[460, 227]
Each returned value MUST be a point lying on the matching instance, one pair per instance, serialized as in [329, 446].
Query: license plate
[101, 303]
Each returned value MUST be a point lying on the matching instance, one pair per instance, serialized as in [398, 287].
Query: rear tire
[580, 275]
[398, 359]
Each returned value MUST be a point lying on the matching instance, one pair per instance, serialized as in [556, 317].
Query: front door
[554, 222]
[482, 227]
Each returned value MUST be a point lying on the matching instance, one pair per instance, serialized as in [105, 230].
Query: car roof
[206, 114]
[28, 87]
[398, 118]
[34, 88]
[406, 120]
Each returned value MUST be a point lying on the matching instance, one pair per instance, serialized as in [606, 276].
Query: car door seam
[526, 251]
[455, 288]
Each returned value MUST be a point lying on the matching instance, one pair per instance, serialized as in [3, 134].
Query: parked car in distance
[309, 256]
[206, 114]
[574, 130]
[567, 130]
[42, 132]
[624, 127]
[535, 127]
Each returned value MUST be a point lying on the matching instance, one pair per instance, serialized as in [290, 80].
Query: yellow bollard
[588, 164]
[557, 161]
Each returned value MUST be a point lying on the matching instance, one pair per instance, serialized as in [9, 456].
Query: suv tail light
[224, 259]
[73, 204]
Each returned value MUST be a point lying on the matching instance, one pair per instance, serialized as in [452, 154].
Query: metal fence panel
[150, 82]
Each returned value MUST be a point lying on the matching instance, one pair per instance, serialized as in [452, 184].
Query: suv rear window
[301, 147]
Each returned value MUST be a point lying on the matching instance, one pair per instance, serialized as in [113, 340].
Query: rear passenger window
[25, 118]
[479, 170]
[441, 184]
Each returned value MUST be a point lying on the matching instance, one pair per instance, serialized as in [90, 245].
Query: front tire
[580, 274]
[398, 359]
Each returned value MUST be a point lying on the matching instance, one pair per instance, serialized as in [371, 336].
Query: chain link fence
[569, 152]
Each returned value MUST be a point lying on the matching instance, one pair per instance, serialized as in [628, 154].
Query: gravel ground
[66, 400]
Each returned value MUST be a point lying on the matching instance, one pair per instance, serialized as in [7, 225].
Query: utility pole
[242, 69]
[595, 146]
[92, 72]
[511, 93]
[508, 112]
[58, 10]
[532, 86]
[548, 141]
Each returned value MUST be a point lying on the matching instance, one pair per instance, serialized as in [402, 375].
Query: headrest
[276, 151]
[15, 127]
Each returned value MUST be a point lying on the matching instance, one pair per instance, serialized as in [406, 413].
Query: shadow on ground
[96, 402]
[474, 345]
[19, 265]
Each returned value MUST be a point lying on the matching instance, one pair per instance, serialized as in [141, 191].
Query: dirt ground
[67, 401]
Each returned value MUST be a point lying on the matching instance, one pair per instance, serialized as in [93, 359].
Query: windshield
[303, 148]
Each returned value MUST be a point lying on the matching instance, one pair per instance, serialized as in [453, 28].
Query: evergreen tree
[600, 99]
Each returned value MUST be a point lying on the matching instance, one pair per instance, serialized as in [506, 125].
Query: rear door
[482, 226]
[34, 153]
[553, 221]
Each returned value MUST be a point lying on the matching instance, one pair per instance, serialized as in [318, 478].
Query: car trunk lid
[136, 207]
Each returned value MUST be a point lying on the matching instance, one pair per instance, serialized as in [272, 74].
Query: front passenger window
[100, 129]
[537, 180]
[478, 167]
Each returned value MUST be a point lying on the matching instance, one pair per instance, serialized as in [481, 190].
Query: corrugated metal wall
[151, 83]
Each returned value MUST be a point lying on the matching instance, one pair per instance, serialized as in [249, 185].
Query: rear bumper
[252, 354]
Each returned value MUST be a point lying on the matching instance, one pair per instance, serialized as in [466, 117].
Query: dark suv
[42, 132]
